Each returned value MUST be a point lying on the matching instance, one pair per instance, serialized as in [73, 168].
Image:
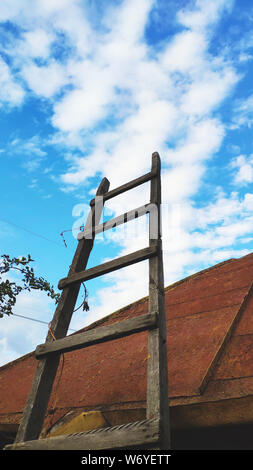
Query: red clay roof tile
[209, 339]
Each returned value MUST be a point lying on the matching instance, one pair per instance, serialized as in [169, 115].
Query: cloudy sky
[90, 88]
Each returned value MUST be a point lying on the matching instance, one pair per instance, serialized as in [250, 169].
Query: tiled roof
[209, 341]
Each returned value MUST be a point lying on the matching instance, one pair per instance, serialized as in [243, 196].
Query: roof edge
[19, 359]
[100, 322]
[144, 299]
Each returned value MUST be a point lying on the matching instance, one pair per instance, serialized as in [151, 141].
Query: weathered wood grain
[116, 221]
[123, 436]
[125, 187]
[98, 335]
[108, 267]
[157, 376]
[37, 402]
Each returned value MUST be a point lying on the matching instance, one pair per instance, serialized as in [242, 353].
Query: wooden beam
[98, 335]
[157, 376]
[126, 187]
[37, 402]
[108, 267]
[119, 220]
[122, 436]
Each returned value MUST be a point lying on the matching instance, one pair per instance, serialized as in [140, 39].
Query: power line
[30, 231]
[33, 319]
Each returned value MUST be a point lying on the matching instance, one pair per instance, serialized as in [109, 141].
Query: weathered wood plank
[98, 335]
[116, 221]
[157, 376]
[108, 267]
[127, 186]
[37, 402]
[123, 436]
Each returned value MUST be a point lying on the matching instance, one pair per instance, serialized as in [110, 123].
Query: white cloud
[206, 93]
[46, 80]
[30, 150]
[86, 106]
[7, 353]
[53, 6]
[11, 92]
[203, 138]
[171, 95]
[96, 79]
[10, 10]
[154, 105]
[181, 182]
[244, 169]
[185, 53]
[20, 336]
[115, 100]
[31, 146]
[204, 13]
[243, 113]
[129, 20]
[193, 239]
[36, 43]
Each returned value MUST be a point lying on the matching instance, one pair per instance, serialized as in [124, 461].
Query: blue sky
[90, 89]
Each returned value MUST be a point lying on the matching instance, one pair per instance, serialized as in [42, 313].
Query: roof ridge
[227, 337]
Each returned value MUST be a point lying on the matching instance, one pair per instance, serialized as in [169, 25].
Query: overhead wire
[84, 303]
[42, 236]
[30, 231]
[32, 319]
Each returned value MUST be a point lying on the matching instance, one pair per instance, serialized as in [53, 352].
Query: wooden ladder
[154, 431]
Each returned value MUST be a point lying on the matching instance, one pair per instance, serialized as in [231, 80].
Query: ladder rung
[122, 436]
[121, 219]
[110, 266]
[125, 187]
[98, 335]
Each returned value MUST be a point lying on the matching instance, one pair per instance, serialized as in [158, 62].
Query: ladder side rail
[37, 402]
[157, 374]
